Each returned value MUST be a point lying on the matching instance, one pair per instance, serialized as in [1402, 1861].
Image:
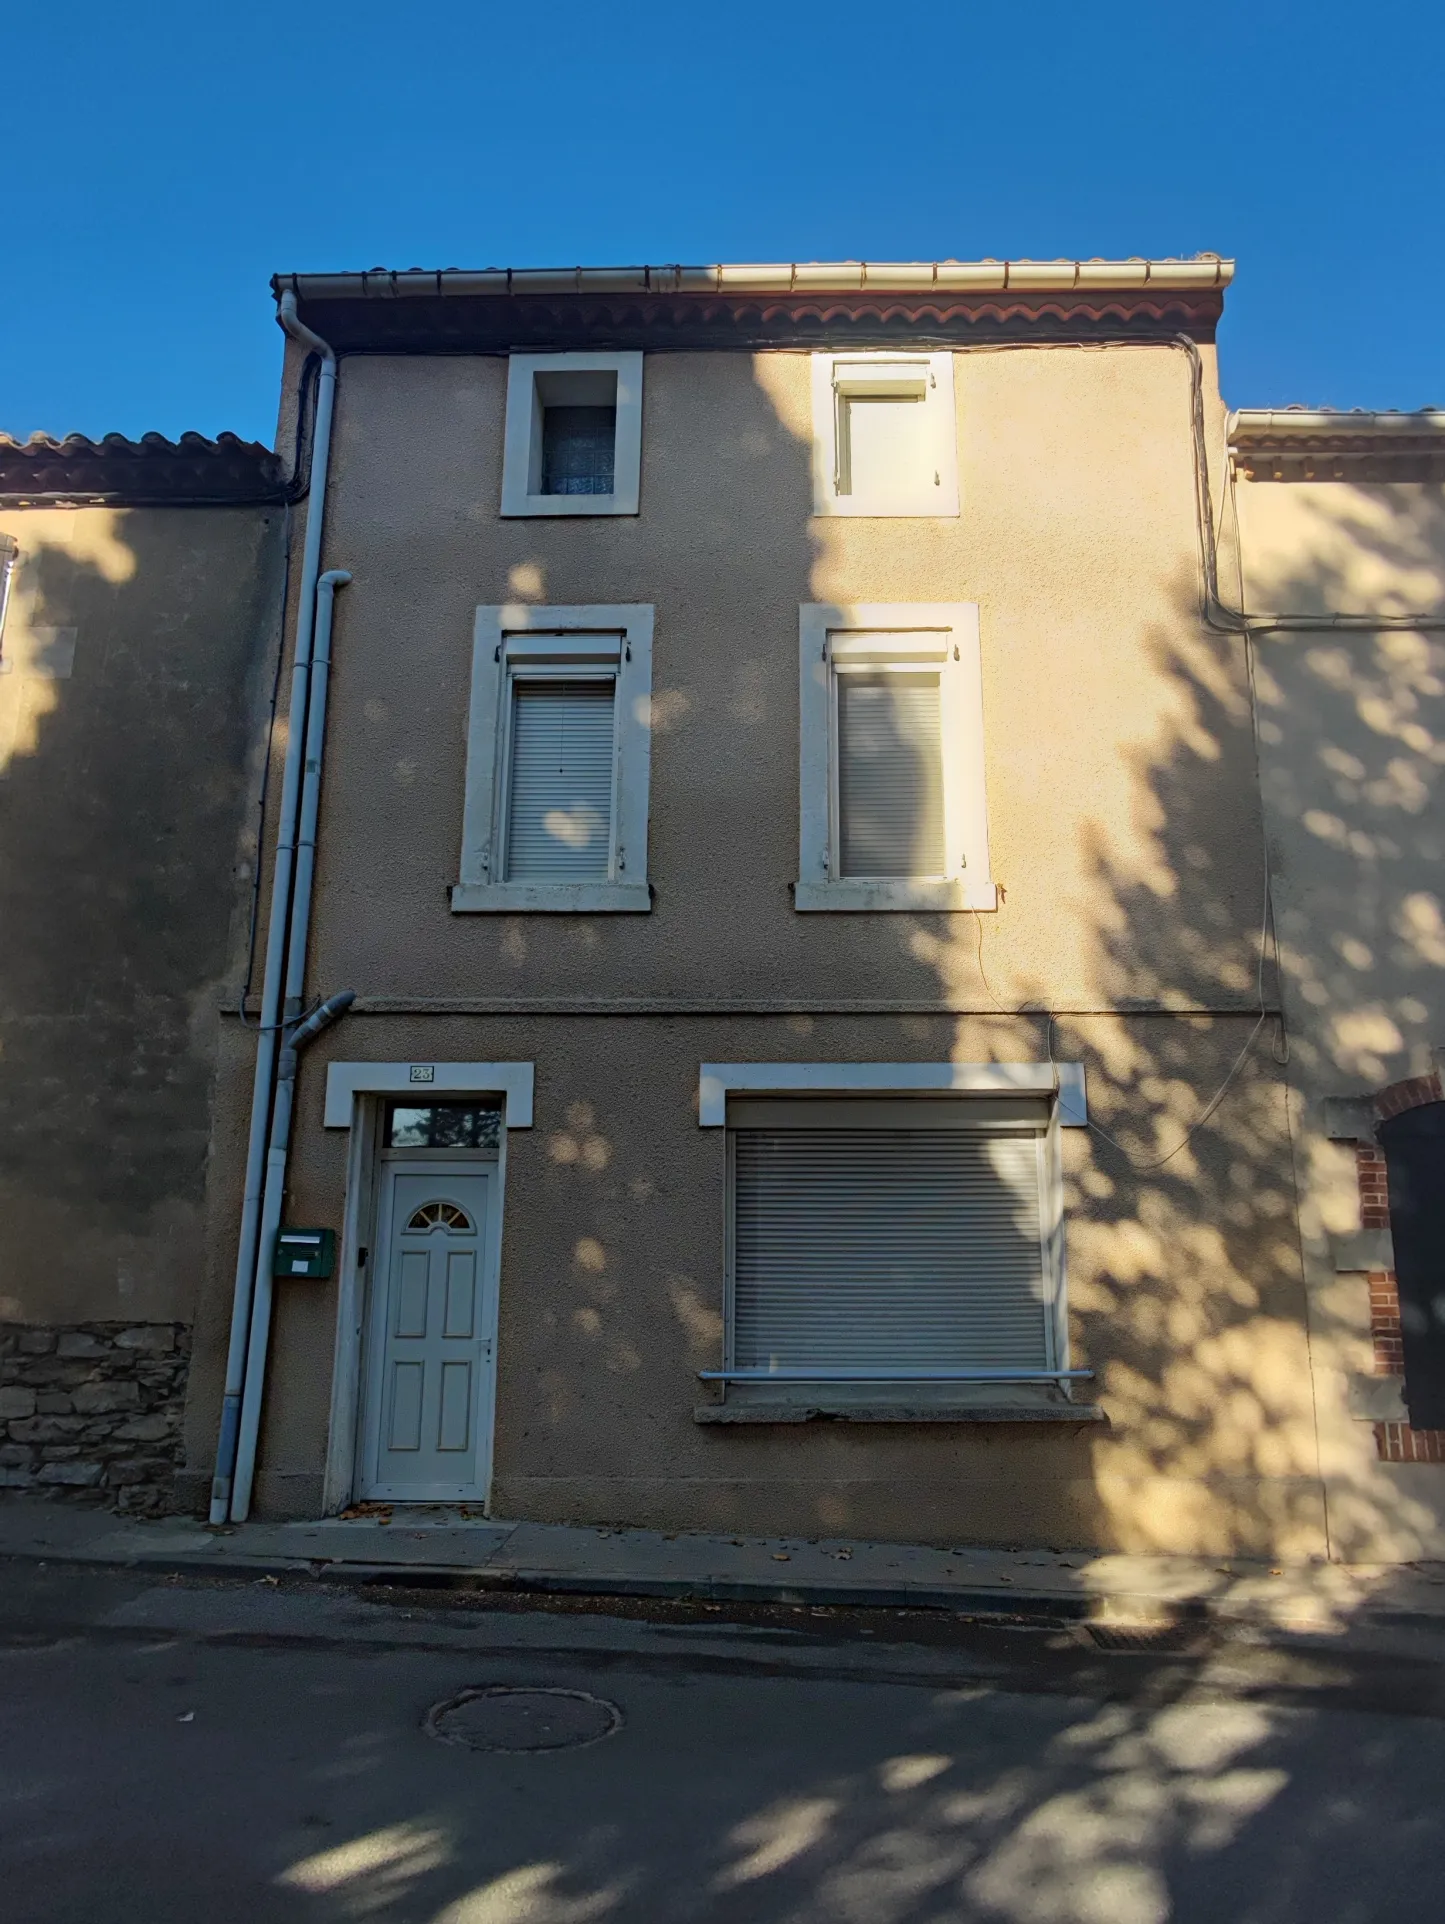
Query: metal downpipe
[296, 1033]
[276, 928]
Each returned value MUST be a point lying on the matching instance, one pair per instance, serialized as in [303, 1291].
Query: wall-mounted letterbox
[304, 1252]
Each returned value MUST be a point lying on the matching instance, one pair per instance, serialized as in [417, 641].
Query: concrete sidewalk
[449, 1547]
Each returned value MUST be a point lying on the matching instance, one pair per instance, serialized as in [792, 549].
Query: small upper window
[573, 434]
[883, 435]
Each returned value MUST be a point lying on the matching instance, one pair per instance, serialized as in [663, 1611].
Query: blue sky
[162, 160]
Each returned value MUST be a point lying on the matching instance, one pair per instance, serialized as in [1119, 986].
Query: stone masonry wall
[93, 1411]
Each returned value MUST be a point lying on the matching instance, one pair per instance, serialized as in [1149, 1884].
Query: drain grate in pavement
[1143, 1636]
[509, 1717]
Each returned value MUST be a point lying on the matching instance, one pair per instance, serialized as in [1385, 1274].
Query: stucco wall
[1077, 540]
[133, 644]
[1184, 1296]
[1352, 744]
[1125, 827]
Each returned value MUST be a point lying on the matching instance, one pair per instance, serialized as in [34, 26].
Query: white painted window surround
[524, 645]
[534, 380]
[874, 640]
[718, 1080]
[425, 1081]
[884, 436]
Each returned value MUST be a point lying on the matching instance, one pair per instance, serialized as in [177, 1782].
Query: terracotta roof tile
[150, 470]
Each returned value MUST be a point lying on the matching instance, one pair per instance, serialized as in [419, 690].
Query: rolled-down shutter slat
[890, 775]
[559, 806]
[906, 1249]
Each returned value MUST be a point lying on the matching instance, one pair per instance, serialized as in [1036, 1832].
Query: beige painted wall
[1125, 828]
[1106, 707]
[1352, 744]
[133, 650]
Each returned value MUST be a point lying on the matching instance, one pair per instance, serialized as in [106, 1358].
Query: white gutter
[1315, 424]
[787, 277]
[281, 891]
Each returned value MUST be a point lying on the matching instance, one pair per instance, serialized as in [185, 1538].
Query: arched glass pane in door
[440, 1215]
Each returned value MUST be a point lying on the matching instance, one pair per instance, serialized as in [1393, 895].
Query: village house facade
[832, 875]
[779, 791]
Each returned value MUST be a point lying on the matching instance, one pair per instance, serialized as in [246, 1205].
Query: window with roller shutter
[885, 442]
[902, 1240]
[891, 759]
[558, 762]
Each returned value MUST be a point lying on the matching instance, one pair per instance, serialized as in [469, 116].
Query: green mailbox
[304, 1252]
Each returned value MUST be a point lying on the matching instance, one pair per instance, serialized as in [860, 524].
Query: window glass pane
[578, 446]
[883, 445]
[443, 1125]
[559, 803]
[890, 775]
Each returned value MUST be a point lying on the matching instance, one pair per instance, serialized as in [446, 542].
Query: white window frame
[901, 634]
[522, 447]
[537, 641]
[835, 378]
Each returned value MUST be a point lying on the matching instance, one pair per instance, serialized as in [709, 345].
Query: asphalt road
[243, 1753]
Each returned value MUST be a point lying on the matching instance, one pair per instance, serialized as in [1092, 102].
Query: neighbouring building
[139, 617]
[1340, 523]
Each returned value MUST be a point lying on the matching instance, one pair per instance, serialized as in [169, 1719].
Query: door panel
[427, 1424]
[454, 1428]
[461, 1292]
[404, 1432]
[411, 1293]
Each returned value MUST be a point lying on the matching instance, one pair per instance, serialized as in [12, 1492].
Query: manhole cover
[507, 1717]
[1144, 1637]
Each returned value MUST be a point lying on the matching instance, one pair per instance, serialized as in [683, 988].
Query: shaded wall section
[136, 667]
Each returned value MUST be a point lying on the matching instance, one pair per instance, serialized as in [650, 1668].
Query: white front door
[426, 1433]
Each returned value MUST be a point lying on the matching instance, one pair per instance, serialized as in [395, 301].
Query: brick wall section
[1374, 1189]
[1412, 1093]
[1385, 1323]
[1394, 1442]
[93, 1411]
[1398, 1443]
